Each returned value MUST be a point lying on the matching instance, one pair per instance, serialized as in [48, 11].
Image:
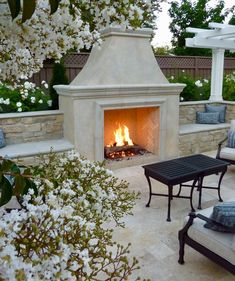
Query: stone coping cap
[196, 128]
[206, 102]
[122, 31]
[35, 148]
[30, 114]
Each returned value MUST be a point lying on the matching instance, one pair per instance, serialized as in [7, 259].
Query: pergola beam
[219, 39]
[213, 33]
[198, 42]
[218, 25]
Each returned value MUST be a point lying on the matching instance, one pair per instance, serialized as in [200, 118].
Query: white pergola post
[217, 72]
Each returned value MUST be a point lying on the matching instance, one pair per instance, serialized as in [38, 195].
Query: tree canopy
[189, 13]
[32, 30]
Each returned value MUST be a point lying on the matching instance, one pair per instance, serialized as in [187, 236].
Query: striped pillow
[207, 117]
[222, 217]
[231, 139]
[2, 139]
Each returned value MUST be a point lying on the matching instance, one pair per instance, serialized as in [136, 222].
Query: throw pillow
[217, 108]
[2, 139]
[207, 117]
[231, 139]
[222, 218]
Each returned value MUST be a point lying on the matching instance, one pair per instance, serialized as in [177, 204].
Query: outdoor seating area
[155, 240]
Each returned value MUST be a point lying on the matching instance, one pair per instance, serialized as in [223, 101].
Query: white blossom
[198, 83]
[25, 46]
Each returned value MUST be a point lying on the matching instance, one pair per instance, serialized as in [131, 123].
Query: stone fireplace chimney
[122, 78]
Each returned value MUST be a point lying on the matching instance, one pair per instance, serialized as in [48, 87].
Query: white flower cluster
[198, 83]
[58, 235]
[5, 101]
[230, 77]
[24, 96]
[24, 47]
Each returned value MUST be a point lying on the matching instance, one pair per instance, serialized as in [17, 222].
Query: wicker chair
[226, 153]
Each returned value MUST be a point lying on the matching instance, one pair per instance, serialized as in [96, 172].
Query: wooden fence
[197, 67]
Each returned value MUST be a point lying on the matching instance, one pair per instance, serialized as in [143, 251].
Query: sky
[162, 35]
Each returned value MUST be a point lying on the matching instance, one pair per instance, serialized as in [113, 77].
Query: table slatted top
[183, 169]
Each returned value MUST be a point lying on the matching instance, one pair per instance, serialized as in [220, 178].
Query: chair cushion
[207, 117]
[231, 139]
[217, 108]
[227, 153]
[224, 215]
[218, 242]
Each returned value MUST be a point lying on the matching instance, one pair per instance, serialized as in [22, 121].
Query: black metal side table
[181, 170]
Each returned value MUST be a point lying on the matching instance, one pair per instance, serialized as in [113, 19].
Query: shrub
[194, 90]
[26, 97]
[59, 77]
[229, 87]
[64, 230]
[200, 89]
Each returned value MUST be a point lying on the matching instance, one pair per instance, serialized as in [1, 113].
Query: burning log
[115, 152]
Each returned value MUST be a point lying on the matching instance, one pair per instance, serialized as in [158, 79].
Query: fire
[122, 136]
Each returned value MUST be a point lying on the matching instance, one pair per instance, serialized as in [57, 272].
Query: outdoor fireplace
[122, 85]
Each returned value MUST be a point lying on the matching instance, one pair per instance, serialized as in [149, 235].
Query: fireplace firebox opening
[131, 132]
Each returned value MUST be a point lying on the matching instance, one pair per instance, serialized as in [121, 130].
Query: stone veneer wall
[32, 126]
[201, 141]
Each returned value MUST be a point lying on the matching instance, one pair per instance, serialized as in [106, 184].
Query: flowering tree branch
[65, 230]
[28, 8]
[24, 46]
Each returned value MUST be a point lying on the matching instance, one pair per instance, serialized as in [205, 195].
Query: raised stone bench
[197, 138]
[29, 149]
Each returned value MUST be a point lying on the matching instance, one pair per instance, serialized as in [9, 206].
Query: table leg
[150, 191]
[170, 188]
[200, 181]
[220, 180]
[191, 195]
[178, 194]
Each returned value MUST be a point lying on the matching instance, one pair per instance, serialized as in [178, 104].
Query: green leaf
[27, 171]
[54, 5]
[20, 183]
[15, 169]
[30, 185]
[28, 9]
[6, 191]
[14, 6]
[6, 165]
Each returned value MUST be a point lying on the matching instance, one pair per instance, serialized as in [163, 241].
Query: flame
[122, 136]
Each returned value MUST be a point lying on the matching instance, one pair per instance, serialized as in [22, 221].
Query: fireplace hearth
[122, 84]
